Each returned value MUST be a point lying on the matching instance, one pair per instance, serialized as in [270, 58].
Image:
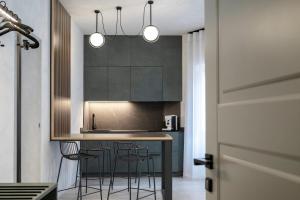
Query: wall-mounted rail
[11, 22]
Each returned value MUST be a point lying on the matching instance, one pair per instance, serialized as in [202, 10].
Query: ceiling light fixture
[151, 32]
[97, 39]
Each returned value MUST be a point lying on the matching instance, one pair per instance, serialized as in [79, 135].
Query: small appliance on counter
[171, 123]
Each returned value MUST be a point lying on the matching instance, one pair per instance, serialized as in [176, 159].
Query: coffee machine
[171, 123]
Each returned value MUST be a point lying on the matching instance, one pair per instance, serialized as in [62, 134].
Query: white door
[253, 98]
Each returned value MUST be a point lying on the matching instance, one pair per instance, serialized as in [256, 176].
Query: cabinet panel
[96, 83]
[119, 83]
[172, 84]
[172, 62]
[144, 53]
[146, 84]
[95, 57]
[118, 51]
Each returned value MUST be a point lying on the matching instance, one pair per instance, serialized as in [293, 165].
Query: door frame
[212, 91]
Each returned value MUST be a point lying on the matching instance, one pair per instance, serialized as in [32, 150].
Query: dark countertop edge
[181, 130]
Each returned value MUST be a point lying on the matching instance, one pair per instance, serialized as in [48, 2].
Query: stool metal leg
[112, 176]
[103, 166]
[76, 174]
[100, 178]
[61, 160]
[139, 182]
[148, 169]
[129, 179]
[79, 194]
[154, 184]
[136, 171]
[115, 167]
[128, 175]
[86, 176]
[109, 161]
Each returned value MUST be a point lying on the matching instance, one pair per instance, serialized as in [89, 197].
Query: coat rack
[11, 22]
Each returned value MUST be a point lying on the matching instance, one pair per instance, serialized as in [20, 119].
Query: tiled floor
[183, 189]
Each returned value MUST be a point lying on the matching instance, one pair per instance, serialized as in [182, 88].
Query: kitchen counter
[154, 146]
[166, 149]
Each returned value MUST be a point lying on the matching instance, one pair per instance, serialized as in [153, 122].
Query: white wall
[31, 115]
[7, 108]
[76, 78]
[35, 13]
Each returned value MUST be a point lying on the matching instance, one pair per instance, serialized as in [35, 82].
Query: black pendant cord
[97, 13]
[150, 3]
[117, 20]
[102, 21]
[144, 13]
[143, 21]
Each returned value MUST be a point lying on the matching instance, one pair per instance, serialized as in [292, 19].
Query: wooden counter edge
[114, 137]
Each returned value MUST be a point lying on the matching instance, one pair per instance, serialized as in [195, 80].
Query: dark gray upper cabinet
[144, 53]
[162, 81]
[118, 51]
[95, 57]
[119, 83]
[146, 84]
[95, 83]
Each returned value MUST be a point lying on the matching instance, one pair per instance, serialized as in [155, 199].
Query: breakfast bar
[165, 139]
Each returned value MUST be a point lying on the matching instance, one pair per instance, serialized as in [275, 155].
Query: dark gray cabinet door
[95, 57]
[144, 53]
[146, 84]
[96, 83]
[172, 84]
[119, 83]
[118, 51]
[172, 62]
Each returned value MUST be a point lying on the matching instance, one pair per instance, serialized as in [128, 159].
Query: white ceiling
[172, 17]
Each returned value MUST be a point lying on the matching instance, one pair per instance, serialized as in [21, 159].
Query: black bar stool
[70, 151]
[106, 152]
[128, 153]
[141, 159]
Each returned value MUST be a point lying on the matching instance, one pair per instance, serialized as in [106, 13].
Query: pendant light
[151, 33]
[97, 39]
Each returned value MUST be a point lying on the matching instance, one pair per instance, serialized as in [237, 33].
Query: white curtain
[194, 103]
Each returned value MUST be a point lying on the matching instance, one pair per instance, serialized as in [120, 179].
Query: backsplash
[128, 115]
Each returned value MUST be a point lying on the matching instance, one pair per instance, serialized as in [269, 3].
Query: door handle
[208, 161]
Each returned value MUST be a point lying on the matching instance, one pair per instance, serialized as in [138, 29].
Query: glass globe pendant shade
[97, 40]
[151, 33]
